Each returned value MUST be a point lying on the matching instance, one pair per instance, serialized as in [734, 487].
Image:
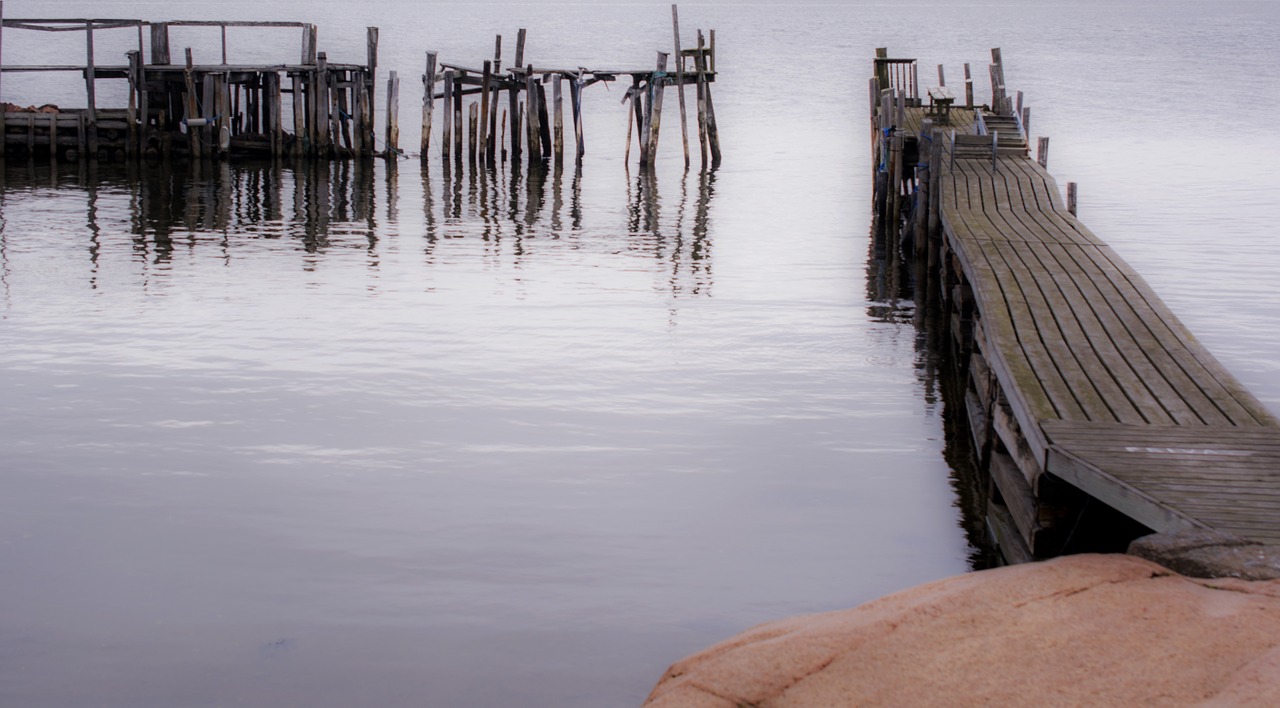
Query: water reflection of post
[700, 249]
[575, 201]
[95, 231]
[429, 212]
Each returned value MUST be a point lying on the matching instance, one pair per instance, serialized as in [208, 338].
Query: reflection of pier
[322, 208]
[516, 211]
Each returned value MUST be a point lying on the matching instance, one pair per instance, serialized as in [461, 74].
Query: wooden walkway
[1079, 372]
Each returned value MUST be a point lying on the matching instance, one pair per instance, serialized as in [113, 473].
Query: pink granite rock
[1079, 630]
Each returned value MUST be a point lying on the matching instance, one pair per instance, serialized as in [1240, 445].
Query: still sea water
[394, 436]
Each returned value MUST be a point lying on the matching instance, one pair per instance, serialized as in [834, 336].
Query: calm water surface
[392, 436]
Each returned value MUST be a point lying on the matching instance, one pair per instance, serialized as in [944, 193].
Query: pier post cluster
[479, 126]
[181, 104]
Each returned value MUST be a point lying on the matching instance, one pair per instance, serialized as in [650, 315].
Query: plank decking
[1109, 391]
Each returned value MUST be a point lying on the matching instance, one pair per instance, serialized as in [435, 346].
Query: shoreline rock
[1077, 630]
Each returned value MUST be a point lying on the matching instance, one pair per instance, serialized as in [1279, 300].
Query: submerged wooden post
[457, 119]
[700, 66]
[557, 99]
[658, 82]
[713, 133]
[544, 120]
[428, 103]
[1071, 198]
[393, 110]
[192, 109]
[494, 145]
[482, 138]
[91, 81]
[935, 185]
[679, 55]
[131, 144]
[473, 137]
[446, 136]
[320, 103]
[633, 115]
[575, 98]
[1042, 152]
[533, 113]
[513, 96]
[371, 78]
[300, 141]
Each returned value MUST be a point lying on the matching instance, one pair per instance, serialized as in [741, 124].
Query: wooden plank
[1131, 502]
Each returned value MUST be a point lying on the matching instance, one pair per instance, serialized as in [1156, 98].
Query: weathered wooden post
[160, 43]
[935, 190]
[428, 103]
[575, 97]
[135, 81]
[544, 119]
[320, 104]
[679, 55]
[532, 113]
[557, 99]
[91, 81]
[308, 45]
[654, 117]
[371, 78]
[193, 134]
[457, 117]
[513, 96]
[1071, 198]
[446, 136]
[482, 139]
[393, 111]
[1042, 152]
[301, 143]
[942, 76]
[473, 137]
[713, 133]
[1026, 121]
[924, 172]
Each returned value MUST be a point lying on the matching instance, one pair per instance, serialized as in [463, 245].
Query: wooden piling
[393, 110]
[1071, 198]
[473, 137]
[192, 109]
[713, 133]
[91, 81]
[544, 120]
[513, 96]
[457, 119]
[575, 98]
[446, 95]
[679, 55]
[300, 142]
[320, 104]
[533, 114]
[557, 100]
[1042, 152]
[658, 82]
[942, 76]
[371, 68]
[482, 138]
[428, 103]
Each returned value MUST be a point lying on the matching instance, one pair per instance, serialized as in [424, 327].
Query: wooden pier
[205, 108]
[1097, 416]
[189, 105]
[526, 125]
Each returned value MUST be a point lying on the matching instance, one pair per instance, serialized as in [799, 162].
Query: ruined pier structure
[530, 125]
[181, 105]
[177, 106]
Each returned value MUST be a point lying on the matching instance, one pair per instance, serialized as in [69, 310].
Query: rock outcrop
[1078, 630]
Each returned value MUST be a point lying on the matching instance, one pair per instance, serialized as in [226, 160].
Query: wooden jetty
[178, 106]
[529, 126]
[1097, 416]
